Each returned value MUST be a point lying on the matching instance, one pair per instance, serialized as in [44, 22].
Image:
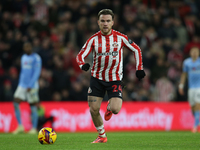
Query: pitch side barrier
[75, 116]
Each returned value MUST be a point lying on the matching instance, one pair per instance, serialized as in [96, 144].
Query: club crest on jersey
[89, 90]
[115, 44]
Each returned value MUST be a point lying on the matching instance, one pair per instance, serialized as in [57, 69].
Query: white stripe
[134, 50]
[114, 73]
[103, 57]
[121, 62]
[110, 59]
[95, 52]
[87, 48]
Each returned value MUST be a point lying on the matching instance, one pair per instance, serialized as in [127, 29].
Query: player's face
[194, 53]
[27, 48]
[105, 23]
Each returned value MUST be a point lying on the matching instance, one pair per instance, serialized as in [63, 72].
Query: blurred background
[164, 30]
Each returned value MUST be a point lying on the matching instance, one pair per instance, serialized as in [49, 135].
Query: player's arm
[183, 78]
[138, 56]
[85, 51]
[182, 83]
[37, 70]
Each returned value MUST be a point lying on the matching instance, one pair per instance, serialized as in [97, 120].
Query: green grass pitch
[116, 141]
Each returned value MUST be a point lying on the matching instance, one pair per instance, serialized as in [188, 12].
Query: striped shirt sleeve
[84, 52]
[137, 52]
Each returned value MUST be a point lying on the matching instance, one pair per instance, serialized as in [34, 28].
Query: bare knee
[115, 105]
[17, 100]
[115, 110]
[94, 110]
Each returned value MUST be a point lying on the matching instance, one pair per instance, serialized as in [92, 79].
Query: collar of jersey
[108, 34]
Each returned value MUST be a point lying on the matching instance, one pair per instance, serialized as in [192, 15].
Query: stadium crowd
[164, 30]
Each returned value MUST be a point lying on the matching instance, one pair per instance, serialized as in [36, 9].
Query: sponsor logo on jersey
[108, 53]
[114, 53]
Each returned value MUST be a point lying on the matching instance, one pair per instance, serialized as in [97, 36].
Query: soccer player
[28, 86]
[106, 72]
[191, 68]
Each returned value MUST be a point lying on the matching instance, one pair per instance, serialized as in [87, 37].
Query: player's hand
[181, 91]
[28, 89]
[140, 74]
[86, 67]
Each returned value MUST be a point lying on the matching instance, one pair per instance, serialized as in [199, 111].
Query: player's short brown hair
[106, 12]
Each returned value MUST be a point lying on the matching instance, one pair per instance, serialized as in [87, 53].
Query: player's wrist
[86, 67]
[181, 86]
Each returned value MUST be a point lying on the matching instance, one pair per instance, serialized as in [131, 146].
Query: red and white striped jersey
[108, 55]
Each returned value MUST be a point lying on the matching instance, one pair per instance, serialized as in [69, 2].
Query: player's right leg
[94, 104]
[19, 96]
[194, 101]
[33, 99]
[96, 93]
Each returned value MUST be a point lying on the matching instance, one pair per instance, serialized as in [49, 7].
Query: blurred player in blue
[28, 86]
[191, 69]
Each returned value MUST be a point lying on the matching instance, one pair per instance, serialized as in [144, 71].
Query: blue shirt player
[28, 86]
[191, 69]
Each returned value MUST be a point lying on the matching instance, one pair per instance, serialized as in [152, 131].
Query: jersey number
[116, 88]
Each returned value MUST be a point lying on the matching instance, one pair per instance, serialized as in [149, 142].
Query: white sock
[101, 131]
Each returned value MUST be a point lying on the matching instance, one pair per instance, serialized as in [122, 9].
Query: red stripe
[94, 63]
[114, 60]
[79, 59]
[106, 58]
[91, 47]
[117, 71]
[110, 71]
[139, 55]
[99, 58]
[102, 133]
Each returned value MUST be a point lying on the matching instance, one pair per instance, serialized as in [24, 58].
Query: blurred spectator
[46, 53]
[2, 76]
[166, 30]
[158, 70]
[44, 91]
[7, 91]
[13, 77]
[164, 90]
[56, 96]
[181, 31]
[78, 92]
[60, 78]
[194, 42]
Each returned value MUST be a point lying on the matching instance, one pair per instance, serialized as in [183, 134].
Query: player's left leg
[33, 99]
[196, 117]
[194, 99]
[19, 96]
[114, 105]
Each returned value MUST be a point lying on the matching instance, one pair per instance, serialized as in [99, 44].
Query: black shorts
[99, 88]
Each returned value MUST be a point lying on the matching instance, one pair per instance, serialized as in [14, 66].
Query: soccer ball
[47, 136]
